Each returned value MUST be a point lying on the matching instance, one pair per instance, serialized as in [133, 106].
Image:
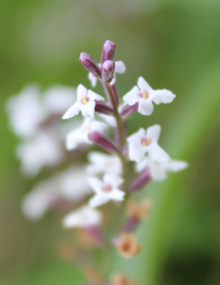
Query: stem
[119, 121]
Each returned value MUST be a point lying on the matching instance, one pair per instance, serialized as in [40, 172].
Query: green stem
[119, 122]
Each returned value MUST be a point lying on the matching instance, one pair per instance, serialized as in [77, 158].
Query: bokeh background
[174, 45]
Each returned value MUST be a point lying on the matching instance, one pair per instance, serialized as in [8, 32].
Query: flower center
[143, 94]
[85, 100]
[107, 188]
[86, 128]
[146, 141]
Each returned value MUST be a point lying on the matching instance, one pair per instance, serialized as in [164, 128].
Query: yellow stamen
[84, 100]
[146, 142]
[144, 94]
[86, 128]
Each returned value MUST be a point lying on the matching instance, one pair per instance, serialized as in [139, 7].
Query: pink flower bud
[103, 108]
[140, 181]
[108, 69]
[128, 110]
[104, 142]
[108, 51]
[90, 64]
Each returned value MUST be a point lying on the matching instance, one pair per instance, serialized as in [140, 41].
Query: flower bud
[90, 64]
[108, 51]
[104, 142]
[128, 110]
[108, 69]
[140, 181]
[103, 108]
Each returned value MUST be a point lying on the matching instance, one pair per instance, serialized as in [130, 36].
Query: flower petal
[176, 165]
[117, 195]
[112, 180]
[157, 154]
[96, 184]
[145, 107]
[120, 66]
[136, 151]
[137, 136]
[88, 109]
[98, 200]
[81, 91]
[93, 79]
[162, 96]
[132, 96]
[143, 85]
[94, 96]
[154, 132]
[73, 111]
[143, 164]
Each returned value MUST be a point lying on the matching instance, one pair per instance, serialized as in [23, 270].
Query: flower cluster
[108, 177]
[108, 174]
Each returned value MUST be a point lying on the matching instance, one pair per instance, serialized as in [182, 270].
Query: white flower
[141, 142]
[104, 163]
[73, 185]
[25, 111]
[82, 218]
[145, 95]
[38, 201]
[110, 120]
[58, 99]
[106, 190]
[158, 171]
[42, 150]
[80, 135]
[85, 103]
[119, 68]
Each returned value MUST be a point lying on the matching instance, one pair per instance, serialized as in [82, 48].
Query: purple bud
[108, 69]
[108, 51]
[103, 108]
[104, 142]
[140, 181]
[130, 225]
[90, 64]
[115, 94]
[128, 110]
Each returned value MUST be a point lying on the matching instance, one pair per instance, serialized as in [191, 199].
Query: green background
[173, 45]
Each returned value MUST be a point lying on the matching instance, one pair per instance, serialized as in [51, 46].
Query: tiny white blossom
[25, 111]
[80, 135]
[73, 185]
[36, 203]
[106, 190]
[58, 98]
[85, 103]
[158, 171]
[104, 163]
[82, 218]
[42, 150]
[145, 96]
[119, 68]
[141, 142]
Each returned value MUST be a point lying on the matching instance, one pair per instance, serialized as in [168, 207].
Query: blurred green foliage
[174, 45]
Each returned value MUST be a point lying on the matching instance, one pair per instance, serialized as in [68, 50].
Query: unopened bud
[108, 51]
[108, 69]
[128, 110]
[90, 64]
[104, 142]
[103, 108]
[140, 181]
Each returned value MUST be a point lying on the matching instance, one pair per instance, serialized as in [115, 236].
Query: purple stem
[128, 110]
[104, 142]
[103, 108]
